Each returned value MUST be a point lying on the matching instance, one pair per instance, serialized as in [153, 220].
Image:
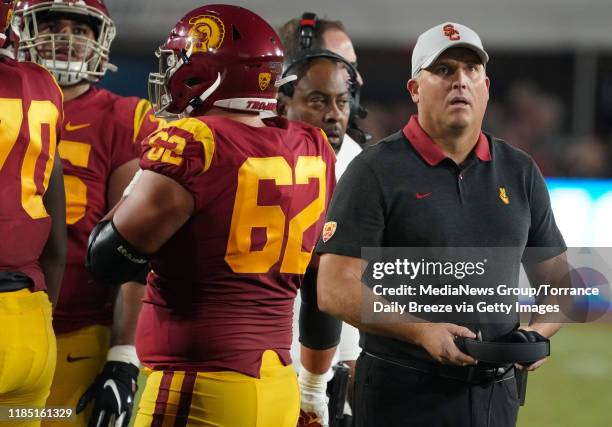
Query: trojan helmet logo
[206, 32]
[264, 80]
[503, 196]
[451, 32]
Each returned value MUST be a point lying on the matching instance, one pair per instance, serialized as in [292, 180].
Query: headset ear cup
[518, 335]
[286, 89]
[535, 337]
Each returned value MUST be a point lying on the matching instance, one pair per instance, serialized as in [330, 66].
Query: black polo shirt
[405, 192]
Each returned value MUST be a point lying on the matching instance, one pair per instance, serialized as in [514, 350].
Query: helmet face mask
[217, 56]
[71, 57]
[159, 95]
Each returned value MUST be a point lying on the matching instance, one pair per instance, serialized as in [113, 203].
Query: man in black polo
[440, 182]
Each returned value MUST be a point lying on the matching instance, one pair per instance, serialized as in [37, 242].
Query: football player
[227, 211]
[99, 151]
[32, 224]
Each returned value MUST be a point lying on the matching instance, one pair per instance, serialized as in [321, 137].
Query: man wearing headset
[309, 32]
[320, 54]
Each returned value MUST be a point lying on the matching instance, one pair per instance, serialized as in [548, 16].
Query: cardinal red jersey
[30, 125]
[222, 288]
[102, 131]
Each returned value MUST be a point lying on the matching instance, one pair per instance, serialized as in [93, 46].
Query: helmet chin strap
[196, 102]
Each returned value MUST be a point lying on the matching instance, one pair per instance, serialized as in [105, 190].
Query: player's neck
[74, 91]
[250, 119]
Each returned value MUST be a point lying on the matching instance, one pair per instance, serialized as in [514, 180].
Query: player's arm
[119, 180]
[319, 336]
[122, 366]
[122, 245]
[120, 248]
[53, 257]
[114, 389]
[129, 298]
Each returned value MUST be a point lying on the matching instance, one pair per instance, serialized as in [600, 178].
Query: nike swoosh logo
[422, 195]
[71, 128]
[71, 359]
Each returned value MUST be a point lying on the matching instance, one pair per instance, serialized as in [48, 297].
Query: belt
[468, 374]
[13, 281]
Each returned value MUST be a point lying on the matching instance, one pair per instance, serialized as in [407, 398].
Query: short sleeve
[145, 122]
[355, 218]
[182, 150]
[126, 124]
[544, 240]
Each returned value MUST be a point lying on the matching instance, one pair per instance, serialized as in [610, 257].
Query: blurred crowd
[528, 118]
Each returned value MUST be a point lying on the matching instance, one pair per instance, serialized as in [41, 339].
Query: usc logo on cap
[451, 32]
[206, 32]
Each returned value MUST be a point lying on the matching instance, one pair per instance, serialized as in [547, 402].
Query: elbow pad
[111, 259]
[318, 330]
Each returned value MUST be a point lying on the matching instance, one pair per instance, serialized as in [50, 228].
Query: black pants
[390, 395]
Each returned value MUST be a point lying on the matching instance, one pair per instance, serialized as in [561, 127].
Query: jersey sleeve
[134, 120]
[544, 240]
[182, 150]
[355, 218]
[145, 122]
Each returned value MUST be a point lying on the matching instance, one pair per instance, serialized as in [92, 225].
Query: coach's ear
[413, 89]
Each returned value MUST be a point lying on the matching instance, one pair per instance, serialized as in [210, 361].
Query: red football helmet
[6, 18]
[218, 55]
[70, 57]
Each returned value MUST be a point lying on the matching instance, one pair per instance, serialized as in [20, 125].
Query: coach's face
[452, 93]
[321, 98]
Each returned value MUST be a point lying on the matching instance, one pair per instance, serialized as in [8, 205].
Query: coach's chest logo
[503, 196]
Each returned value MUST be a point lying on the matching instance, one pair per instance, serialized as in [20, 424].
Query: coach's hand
[439, 341]
[113, 392]
[313, 402]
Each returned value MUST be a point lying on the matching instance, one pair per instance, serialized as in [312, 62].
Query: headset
[308, 24]
[518, 346]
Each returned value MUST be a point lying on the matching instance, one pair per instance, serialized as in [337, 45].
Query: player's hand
[113, 395]
[313, 403]
[439, 341]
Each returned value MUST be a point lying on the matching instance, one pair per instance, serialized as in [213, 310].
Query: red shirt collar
[428, 149]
